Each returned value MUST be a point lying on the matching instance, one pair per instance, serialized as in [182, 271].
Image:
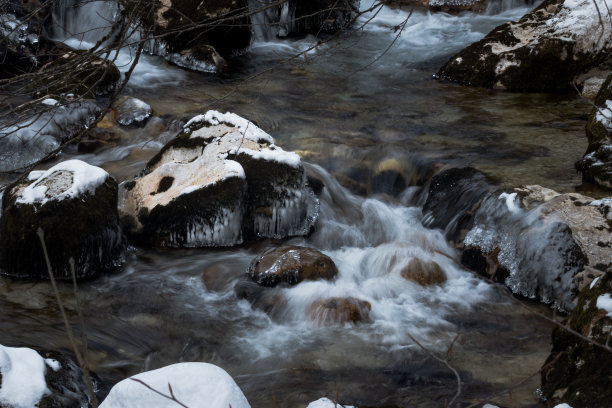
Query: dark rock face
[331, 311]
[83, 226]
[578, 372]
[544, 51]
[291, 265]
[596, 165]
[453, 196]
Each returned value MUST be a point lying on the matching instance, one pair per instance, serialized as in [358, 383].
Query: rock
[52, 123]
[544, 51]
[596, 165]
[131, 111]
[201, 58]
[549, 252]
[298, 17]
[269, 300]
[191, 384]
[423, 272]
[576, 371]
[44, 379]
[220, 180]
[291, 265]
[98, 138]
[78, 73]
[76, 206]
[453, 197]
[340, 310]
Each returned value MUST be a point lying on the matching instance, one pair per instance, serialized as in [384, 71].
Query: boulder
[336, 310]
[51, 123]
[576, 371]
[291, 264]
[596, 165]
[546, 50]
[189, 383]
[44, 379]
[131, 111]
[423, 272]
[221, 180]
[75, 204]
[549, 252]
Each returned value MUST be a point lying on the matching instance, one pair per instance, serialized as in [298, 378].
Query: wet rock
[336, 310]
[544, 51]
[202, 58]
[220, 180]
[131, 111]
[578, 372]
[549, 252]
[291, 265]
[52, 123]
[423, 272]
[78, 73]
[76, 206]
[44, 379]
[596, 165]
[191, 384]
[269, 300]
[453, 197]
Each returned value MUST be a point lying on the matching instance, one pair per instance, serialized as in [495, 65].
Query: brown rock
[424, 272]
[340, 310]
[291, 264]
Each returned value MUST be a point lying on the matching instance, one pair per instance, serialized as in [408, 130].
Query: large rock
[596, 165]
[423, 272]
[291, 265]
[550, 251]
[543, 51]
[301, 16]
[76, 206]
[221, 180]
[578, 372]
[43, 379]
[192, 384]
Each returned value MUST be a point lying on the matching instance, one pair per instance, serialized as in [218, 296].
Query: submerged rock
[76, 206]
[221, 180]
[596, 165]
[340, 310]
[578, 372]
[291, 265]
[191, 384]
[423, 272]
[549, 252]
[44, 379]
[544, 51]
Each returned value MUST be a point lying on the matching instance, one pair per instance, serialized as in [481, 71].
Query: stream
[351, 110]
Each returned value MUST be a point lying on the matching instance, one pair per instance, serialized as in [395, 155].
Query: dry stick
[443, 361]
[171, 397]
[41, 236]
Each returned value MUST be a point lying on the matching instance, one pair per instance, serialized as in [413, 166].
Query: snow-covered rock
[193, 384]
[76, 206]
[596, 165]
[29, 379]
[326, 403]
[220, 180]
[51, 123]
[543, 51]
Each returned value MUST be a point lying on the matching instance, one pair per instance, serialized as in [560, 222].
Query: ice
[193, 384]
[23, 377]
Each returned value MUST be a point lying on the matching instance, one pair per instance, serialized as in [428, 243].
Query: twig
[171, 397]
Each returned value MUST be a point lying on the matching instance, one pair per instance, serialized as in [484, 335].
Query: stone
[222, 179]
[336, 310]
[201, 58]
[131, 111]
[545, 51]
[423, 272]
[75, 204]
[578, 372]
[291, 265]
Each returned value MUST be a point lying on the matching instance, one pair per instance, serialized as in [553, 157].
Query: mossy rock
[85, 228]
[291, 265]
[578, 372]
[424, 273]
[337, 310]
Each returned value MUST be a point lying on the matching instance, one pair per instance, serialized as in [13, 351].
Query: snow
[562, 406]
[50, 102]
[594, 282]
[326, 403]
[23, 377]
[193, 384]
[85, 179]
[247, 128]
[605, 302]
[604, 115]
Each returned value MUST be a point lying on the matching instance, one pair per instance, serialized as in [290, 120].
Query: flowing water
[353, 106]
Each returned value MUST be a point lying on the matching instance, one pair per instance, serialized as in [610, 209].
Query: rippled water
[351, 109]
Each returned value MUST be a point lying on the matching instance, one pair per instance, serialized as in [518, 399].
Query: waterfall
[271, 20]
[79, 21]
[499, 6]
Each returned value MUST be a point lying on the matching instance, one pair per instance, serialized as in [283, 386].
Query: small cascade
[500, 6]
[271, 20]
[82, 21]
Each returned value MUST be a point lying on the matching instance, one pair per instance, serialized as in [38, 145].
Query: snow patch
[327, 403]
[23, 377]
[604, 302]
[247, 128]
[193, 384]
[604, 115]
